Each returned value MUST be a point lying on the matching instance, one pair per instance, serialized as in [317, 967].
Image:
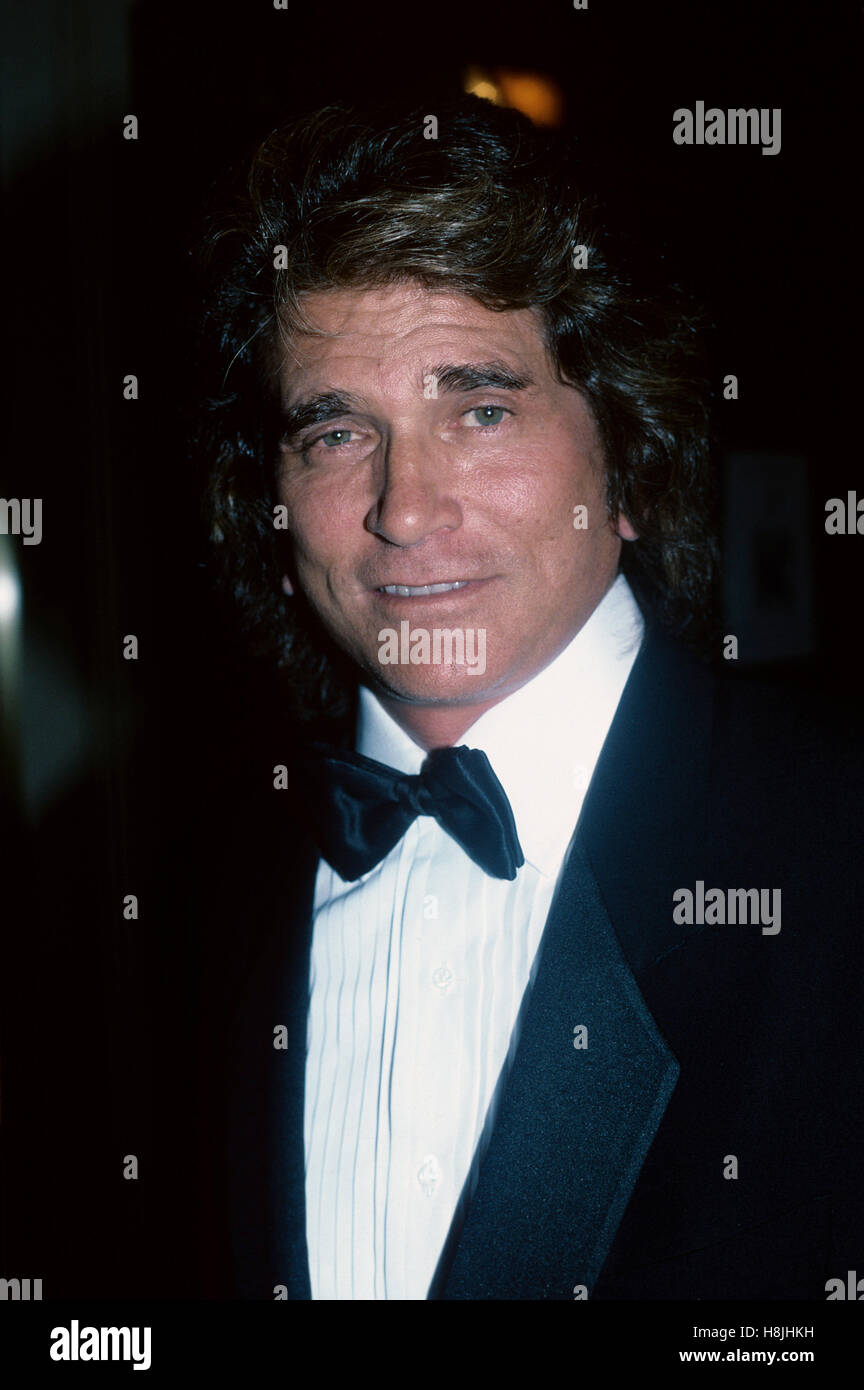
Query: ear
[287, 586]
[625, 529]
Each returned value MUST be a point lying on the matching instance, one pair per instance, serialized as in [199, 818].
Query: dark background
[118, 774]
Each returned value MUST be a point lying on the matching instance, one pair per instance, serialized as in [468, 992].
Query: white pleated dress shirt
[418, 971]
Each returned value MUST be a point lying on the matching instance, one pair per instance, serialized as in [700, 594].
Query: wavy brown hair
[491, 208]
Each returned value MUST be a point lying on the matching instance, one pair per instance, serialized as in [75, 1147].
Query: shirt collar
[543, 741]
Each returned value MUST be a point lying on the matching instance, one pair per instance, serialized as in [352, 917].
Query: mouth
[424, 590]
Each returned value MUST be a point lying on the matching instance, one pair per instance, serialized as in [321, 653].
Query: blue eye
[336, 436]
[488, 414]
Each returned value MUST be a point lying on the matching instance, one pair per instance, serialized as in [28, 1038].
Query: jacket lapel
[574, 1123]
[644, 823]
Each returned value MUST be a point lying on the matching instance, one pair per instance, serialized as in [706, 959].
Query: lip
[468, 588]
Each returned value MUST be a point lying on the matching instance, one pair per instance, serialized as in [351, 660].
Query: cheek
[537, 496]
[561, 550]
[320, 523]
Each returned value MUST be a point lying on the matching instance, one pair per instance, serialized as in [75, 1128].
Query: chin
[458, 688]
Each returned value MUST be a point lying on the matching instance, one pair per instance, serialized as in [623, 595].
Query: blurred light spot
[480, 84]
[536, 95]
[9, 596]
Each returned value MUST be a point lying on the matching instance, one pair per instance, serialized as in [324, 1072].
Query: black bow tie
[360, 809]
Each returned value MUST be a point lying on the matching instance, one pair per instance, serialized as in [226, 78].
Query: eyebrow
[325, 405]
[473, 376]
[449, 376]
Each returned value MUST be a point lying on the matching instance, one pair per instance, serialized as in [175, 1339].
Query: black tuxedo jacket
[707, 1142]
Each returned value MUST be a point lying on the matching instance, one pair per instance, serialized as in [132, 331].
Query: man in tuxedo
[542, 982]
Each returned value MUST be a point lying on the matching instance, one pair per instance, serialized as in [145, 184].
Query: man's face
[428, 443]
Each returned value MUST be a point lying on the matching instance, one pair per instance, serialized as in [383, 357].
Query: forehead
[391, 337]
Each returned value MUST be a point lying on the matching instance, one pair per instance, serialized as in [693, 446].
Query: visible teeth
[412, 590]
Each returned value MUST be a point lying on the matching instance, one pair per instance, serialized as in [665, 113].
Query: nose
[414, 497]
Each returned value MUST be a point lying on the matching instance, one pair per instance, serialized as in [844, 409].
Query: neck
[436, 726]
